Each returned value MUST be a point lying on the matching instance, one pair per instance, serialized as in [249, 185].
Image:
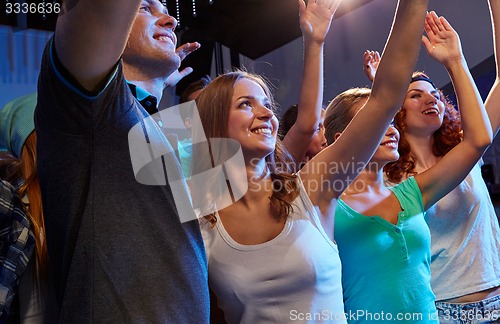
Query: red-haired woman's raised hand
[442, 42]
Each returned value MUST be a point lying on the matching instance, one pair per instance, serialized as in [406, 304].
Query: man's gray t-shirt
[118, 252]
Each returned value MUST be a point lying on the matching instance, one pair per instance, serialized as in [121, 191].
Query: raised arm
[492, 102]
[315, 20]
[91, 35]
[354, 148]
[443, 44]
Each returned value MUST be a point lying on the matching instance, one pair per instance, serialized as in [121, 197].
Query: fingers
[366, 59]
[446, 25]
[437, 27]
[329, 4]
[187, 49]
[433, 23]
[370, 63]
[370, 57]
[302, 7]
[430, 26]
[186, 71]
[375, 56]
[427, 44]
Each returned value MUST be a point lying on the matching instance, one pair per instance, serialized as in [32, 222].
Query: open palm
[316, 17]
[442, 42]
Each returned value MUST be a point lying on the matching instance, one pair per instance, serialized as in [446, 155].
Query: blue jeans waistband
[483, 311]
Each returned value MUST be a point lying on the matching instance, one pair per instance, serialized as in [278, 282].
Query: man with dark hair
[118, 250]
[194, 89]
[318, 141]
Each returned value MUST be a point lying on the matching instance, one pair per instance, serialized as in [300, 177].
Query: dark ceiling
[252, 28]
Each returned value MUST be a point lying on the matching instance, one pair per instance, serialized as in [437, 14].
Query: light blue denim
[484, 311]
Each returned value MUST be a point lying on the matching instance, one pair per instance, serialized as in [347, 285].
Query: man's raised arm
[91, 35]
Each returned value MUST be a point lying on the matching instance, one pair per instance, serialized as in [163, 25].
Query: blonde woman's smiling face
[251, 119]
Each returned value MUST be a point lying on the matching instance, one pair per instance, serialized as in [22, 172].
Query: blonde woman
[271, 255]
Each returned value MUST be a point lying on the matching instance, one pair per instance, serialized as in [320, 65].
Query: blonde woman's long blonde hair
[214, 106]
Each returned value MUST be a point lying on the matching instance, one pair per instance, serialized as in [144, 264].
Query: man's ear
[336, 137]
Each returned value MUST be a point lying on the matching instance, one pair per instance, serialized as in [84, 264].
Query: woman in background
[384, 243]
[318, 142]
[18, 136]
[465, 250]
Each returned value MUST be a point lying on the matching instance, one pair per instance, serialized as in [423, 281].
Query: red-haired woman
[465, 249]
[384, 242]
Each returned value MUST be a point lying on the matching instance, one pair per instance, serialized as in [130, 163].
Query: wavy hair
[213, 106]
[445, 138]
[25, 170]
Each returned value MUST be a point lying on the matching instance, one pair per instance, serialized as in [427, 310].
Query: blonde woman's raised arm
[492, 102]
[355, 147]
[315, 21]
